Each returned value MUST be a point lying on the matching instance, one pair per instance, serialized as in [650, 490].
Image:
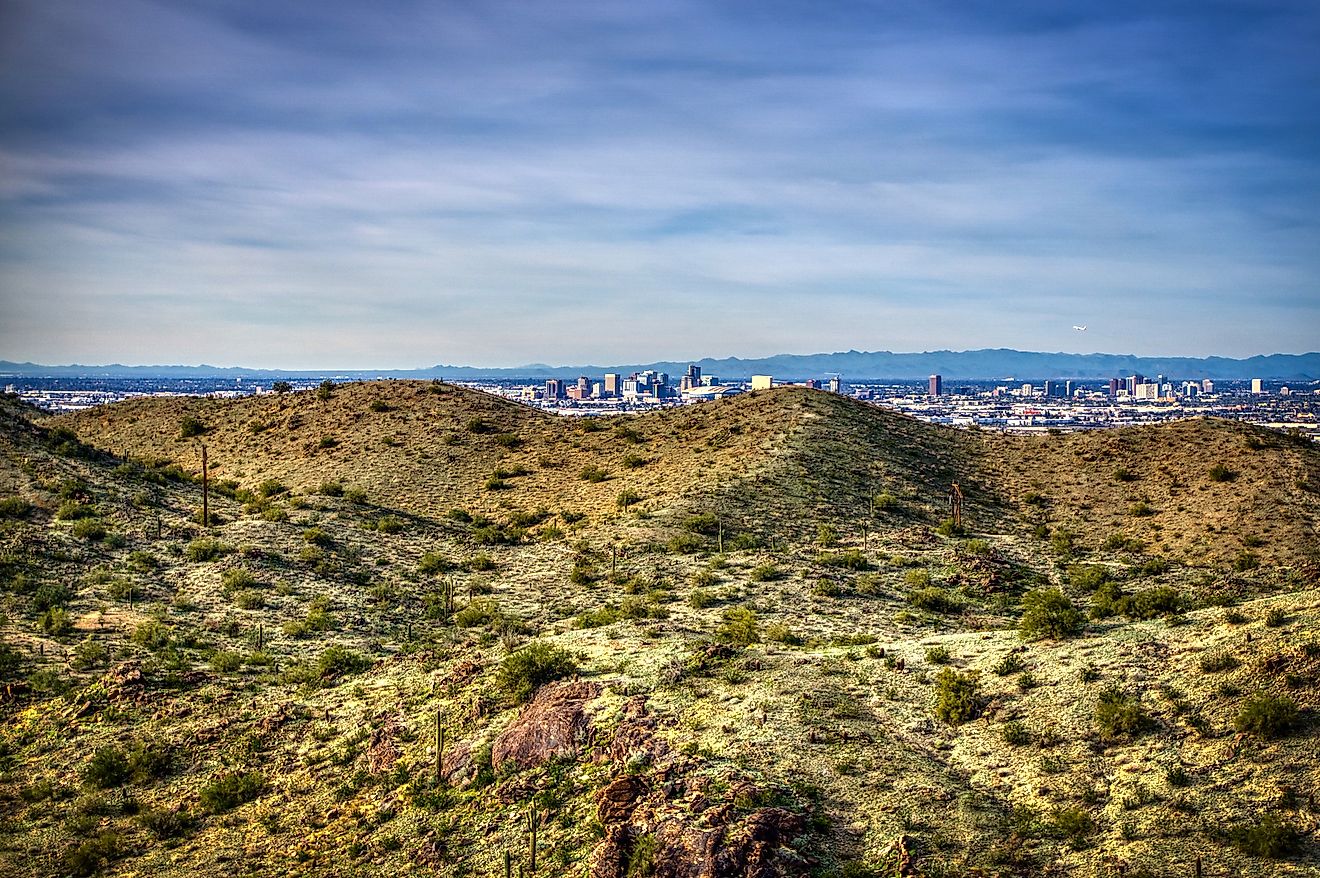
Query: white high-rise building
[1257, 386]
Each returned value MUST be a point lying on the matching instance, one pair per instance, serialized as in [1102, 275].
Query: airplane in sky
[1080, 328]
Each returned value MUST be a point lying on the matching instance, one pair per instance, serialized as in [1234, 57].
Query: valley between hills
[421, 630]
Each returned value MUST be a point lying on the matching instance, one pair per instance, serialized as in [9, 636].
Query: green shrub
[165, 823]
[826, 588]
[1009, 664]
[90, 529]
[480, 562]
[1221, 473]
[1245, 561]
[1073, 824]
[1048, 613]
[331, 489]
[14, 507]
[852, 559]
[389, 524]
[94, 855]
[225, 662]
[739, 625]
[626, 498]
[1275, 617]
[480, 612]
[1015, 733]
[523, 672]
[781, 633]
[108, 768]
[933, 600]
[315, 536]
[884, 502]
[938, 655]
[433, 562]
[701, 598]
[957, 697]
[949, 528]
[593, 474]
[1122, 474]
[1268, 837]
[236, 578]
[1088, 577]
[205, 549]
[227, 791]
[685, 544]
[1119, 714]
[1215, 662]
[153, 634]
[597, 618]
[88, 654]
[249, 599]
[190, 427]
[340, 661]
[1267, 716]
[56, 622]
[764, 573]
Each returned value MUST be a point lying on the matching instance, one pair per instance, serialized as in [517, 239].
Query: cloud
[401, 184]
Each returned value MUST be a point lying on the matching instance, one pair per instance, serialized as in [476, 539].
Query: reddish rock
[384, 751]
[554, 724]
[615, 803]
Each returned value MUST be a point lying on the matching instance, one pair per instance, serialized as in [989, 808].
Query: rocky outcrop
[554, 725]
[657, 817]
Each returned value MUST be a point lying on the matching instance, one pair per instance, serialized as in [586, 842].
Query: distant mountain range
[988, 364]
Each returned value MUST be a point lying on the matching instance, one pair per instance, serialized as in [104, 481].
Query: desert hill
[747, 642]
[797, 457]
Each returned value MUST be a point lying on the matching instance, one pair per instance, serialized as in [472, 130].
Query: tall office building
[1113, 386]
[1257, 386]
[554, 388]
[612, 388]
[936, 385]
[836, 384]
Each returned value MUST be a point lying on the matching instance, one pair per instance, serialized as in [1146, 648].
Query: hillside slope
[841, 691]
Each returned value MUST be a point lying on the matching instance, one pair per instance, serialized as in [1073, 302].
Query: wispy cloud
[400, 184]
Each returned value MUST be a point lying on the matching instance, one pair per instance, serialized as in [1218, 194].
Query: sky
[339, 184]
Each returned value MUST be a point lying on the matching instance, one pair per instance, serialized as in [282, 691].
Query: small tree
[282, 387]
[957, 697]
[1047, 612]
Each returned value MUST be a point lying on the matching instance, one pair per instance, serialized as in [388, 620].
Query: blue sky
[398, 184]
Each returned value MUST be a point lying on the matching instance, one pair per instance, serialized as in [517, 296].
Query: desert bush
[781, 633]
[1122, 474]
[949, 528]
[1275, 617]
[55, 622]
[1270, 837]
[934, 600]
[153, 634]
[1118, 714]
[1048, 613]
[325, 389]
[868, 584]
[315, 536]
[90, 529]
[632, 460]
[957, 697]
[523, 672]
[249, 599]
[480, 562]
[190, 427]
[884, 502]
[1009, 664]
[700, 598]
[597, 618]
[165, 823]
[227, 791]
[826, 588]
[739, 625]
[49, 595]
[88, 654]
[764, 573]
[107, 768]
[225, 662]
[205, 549]
[626, 498]
[685, 544]
[1088, 577]
[852, 559]
[477, 613]
[593, 474]
[1245, 561]
[1074, 824]
[14, 507]
[1267, 716]
[389, 524]
[1015, 733]
[1221, 473]
[1215, 662]
[938, 655]
[433, 562]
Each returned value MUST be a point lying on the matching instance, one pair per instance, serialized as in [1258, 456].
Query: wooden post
[206, 491]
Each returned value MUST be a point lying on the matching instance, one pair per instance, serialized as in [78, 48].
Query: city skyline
[495, 184]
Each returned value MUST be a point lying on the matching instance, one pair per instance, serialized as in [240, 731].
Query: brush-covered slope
[843, 690]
